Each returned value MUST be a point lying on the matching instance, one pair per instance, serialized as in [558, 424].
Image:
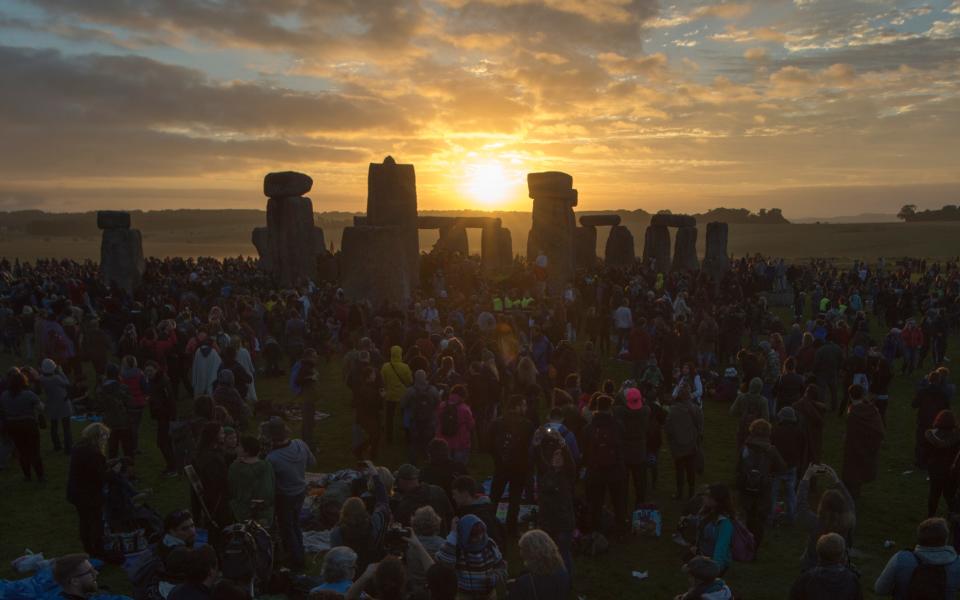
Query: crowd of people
[479, 366]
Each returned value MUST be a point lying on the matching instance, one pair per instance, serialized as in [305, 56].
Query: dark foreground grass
[39, 518]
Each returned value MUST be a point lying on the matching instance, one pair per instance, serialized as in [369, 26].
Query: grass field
[40, 518]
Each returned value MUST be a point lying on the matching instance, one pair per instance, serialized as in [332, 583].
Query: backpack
[743, 546]
[422, 410]
[604, 445]
[631, 425]
[182, 441]
[450, 420]
[754, 471]
[508, 443]
[927, 582]
[247, 553]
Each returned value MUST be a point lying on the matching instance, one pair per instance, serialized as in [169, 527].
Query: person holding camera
[836, 512]
[361, 531]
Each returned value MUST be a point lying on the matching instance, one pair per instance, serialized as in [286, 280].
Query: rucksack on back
[247, 553]
[604, 445]
[927, 582]
[754, 471]
[423, 409]
[450, 420]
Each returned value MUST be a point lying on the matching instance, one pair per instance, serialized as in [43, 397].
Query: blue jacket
[895, 578]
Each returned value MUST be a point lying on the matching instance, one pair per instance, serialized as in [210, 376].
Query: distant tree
[907, 212]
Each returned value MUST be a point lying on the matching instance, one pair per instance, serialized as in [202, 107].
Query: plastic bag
[29, 562]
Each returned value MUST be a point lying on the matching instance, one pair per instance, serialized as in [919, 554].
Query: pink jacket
[460, 441]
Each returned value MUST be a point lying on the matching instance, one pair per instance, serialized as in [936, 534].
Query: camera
[394, 541]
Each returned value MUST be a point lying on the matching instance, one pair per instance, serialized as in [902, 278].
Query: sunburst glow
[488, 183]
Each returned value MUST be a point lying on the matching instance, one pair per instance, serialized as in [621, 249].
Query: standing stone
[656, 247]
[261, 241]
[716, 261]
[685, 250]
[496, 248]
[290, 245]
[121, 251]
[620, 251]
[553, 225]
[600, 220]
[380, 255]
[585, 247]
[367, 271]
[454, 239]
[290, 238]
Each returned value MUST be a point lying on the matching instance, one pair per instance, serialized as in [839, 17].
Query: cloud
[725, 11]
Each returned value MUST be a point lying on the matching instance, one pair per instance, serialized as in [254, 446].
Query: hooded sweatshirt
[476, 559]
[396, 375]
[895, 577]
[290, 463]
[751, 402]
[837, 582]
[206, 363]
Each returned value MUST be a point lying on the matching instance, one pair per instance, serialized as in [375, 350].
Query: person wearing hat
[789, 441]
[832, 577]
[56, 392]
[705, 583]
[290, 459]
[411, 493]
[937, 454]
[758, 465]
[634, 417]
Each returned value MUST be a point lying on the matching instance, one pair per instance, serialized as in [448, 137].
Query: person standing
[938, 454]
[368, 402]
[252, 484]
[603, 458]
[132, 377]
[20, 413]
[308, 383]
[918, 573]
[511, 435]
[861, 447]
[85, 480]
[930, 399]
[634, 419]
[420, 404]
[113, 398]
[758, 465]
[290, 459]
[684, 430]
[556, 478]
[827, 361]
[811, 412]
[456, 424]
[787, 438]
[163, 408]
[56, 390]
[397, 378]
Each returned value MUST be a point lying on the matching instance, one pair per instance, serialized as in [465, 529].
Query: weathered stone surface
[391, 195]
[716, 261]
[600, 220]
[261, 241]
[370, 268]
[286, 184]
[290, 239]
[585, 247]
[453, 239]
[549, 183]
[656, 247]
[113, 219]
[319, 242]
[553, 225]
[685, 250]
[668, 220]
[392, 202]
[620, 251]
[121, 258]
[496, 248]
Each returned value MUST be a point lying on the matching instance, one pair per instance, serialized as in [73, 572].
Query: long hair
[95, 435]
[833, 514]
[354, 519]
[540, 553]
[526, 372]
[16, 381]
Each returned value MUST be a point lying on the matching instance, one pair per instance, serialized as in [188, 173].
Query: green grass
[41, 519]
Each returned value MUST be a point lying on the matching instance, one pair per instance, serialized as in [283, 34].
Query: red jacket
[466, 423]
[912, 337]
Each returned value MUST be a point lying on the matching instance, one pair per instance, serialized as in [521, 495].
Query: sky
[817, 107]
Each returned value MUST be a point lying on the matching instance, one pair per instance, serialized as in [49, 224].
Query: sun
[487, 183]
